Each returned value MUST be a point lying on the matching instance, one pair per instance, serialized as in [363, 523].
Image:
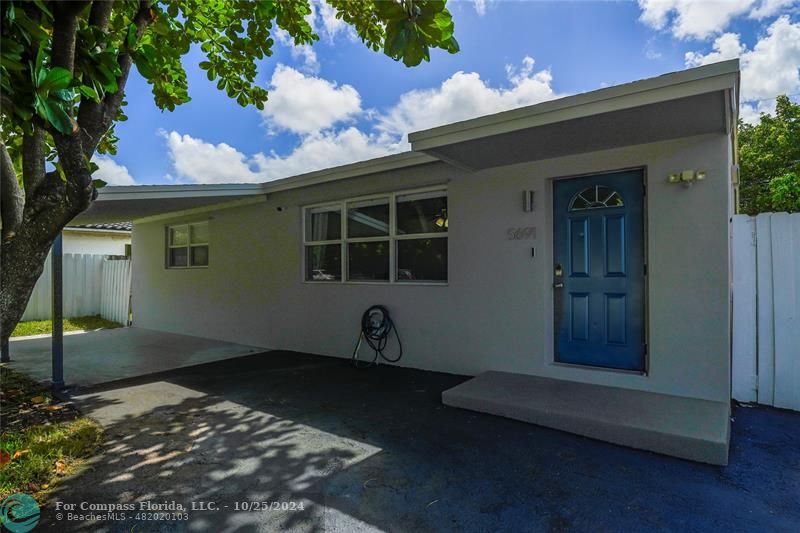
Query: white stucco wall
[94, 243]
[496, 311]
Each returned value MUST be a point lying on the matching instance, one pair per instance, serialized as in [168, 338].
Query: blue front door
[598, 270]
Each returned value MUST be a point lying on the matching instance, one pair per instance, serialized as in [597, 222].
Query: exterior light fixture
[687, 177]
[527, 201]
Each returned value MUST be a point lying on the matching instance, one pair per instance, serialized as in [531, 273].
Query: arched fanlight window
[596, 197]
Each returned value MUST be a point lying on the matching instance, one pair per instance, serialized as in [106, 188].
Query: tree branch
[33, 159]
[95, 118]
[65, 29]
[11, 201]
[100, 14]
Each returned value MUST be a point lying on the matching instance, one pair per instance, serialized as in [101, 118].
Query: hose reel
[376, 327]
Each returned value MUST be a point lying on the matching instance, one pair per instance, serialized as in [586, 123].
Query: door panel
[599, 270]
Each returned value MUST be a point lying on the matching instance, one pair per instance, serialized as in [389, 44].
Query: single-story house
[98, 239]
[573, 255]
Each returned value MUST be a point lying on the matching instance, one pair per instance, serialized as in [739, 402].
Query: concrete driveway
[375, 450]
[112, 354]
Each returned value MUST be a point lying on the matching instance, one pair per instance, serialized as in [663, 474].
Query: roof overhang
[691, 102]
[142, 202]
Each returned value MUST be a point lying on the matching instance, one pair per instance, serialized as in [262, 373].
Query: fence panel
[744, 357]
[92, 285]
[786, 280]
[116, 290]
[775, 273]
[81, 275]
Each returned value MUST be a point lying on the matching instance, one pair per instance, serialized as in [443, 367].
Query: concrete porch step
[693, 429]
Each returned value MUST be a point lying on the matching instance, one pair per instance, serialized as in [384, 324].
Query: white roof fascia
[710, 78]
[361, 168]
[73, 229]
[151, 192]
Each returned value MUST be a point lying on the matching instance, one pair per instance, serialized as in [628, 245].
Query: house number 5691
[518, 234]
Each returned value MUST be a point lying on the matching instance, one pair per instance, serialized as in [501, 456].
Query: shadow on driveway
[375, 449]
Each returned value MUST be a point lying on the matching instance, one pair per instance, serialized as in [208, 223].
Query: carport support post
[57, 314]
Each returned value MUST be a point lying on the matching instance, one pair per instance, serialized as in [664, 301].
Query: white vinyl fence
[116, 290]
[766, 309]
[92, 285]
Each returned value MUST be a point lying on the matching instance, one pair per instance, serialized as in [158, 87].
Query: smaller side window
[188, 245]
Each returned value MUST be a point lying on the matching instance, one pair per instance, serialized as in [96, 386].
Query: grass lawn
[38, 327]
[41, 438]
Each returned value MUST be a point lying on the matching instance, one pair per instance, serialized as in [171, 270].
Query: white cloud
[202, 162]
[696, 19]
[331, 26]
[768, 8]
[307, 104]
[701, 19]
[771, 68]
[480, 7]
[198, 161]
[305, 52]
[325, 150]
[466, 95]
[726, 46]
[112, 172]
[314, 107]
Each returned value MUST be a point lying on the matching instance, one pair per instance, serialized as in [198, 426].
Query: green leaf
[55, 79]
[131, 40]
[55, 115]
[89, 92]
[452, 45]
[65, 95]
[43, 8]
[390, 10]
[98, 183]
[415, 52]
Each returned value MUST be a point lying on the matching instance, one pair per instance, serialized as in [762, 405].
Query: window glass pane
[422, 213]
[368, 261]
[422, 259]
[368, 219]
[179, 235]
[324, 223]
[199, 255]
[199, 233]
[324, 262]
[177, 257]
[596, 197]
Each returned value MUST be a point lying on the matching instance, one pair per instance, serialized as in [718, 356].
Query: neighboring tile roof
[114, 226]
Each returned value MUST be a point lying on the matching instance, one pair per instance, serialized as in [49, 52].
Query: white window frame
[169, 246]
[392, 238]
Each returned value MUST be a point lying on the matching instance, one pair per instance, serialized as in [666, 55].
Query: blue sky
[338, 102]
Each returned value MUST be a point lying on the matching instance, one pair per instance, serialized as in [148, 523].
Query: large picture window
[187, 245]
[393, 238]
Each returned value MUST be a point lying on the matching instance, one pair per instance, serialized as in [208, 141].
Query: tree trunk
[22, 261]
[23, 254]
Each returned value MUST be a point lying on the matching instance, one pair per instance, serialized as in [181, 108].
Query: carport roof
[690, 102]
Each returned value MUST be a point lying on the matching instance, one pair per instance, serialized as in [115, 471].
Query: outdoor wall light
[527, 201]
[687, 177]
